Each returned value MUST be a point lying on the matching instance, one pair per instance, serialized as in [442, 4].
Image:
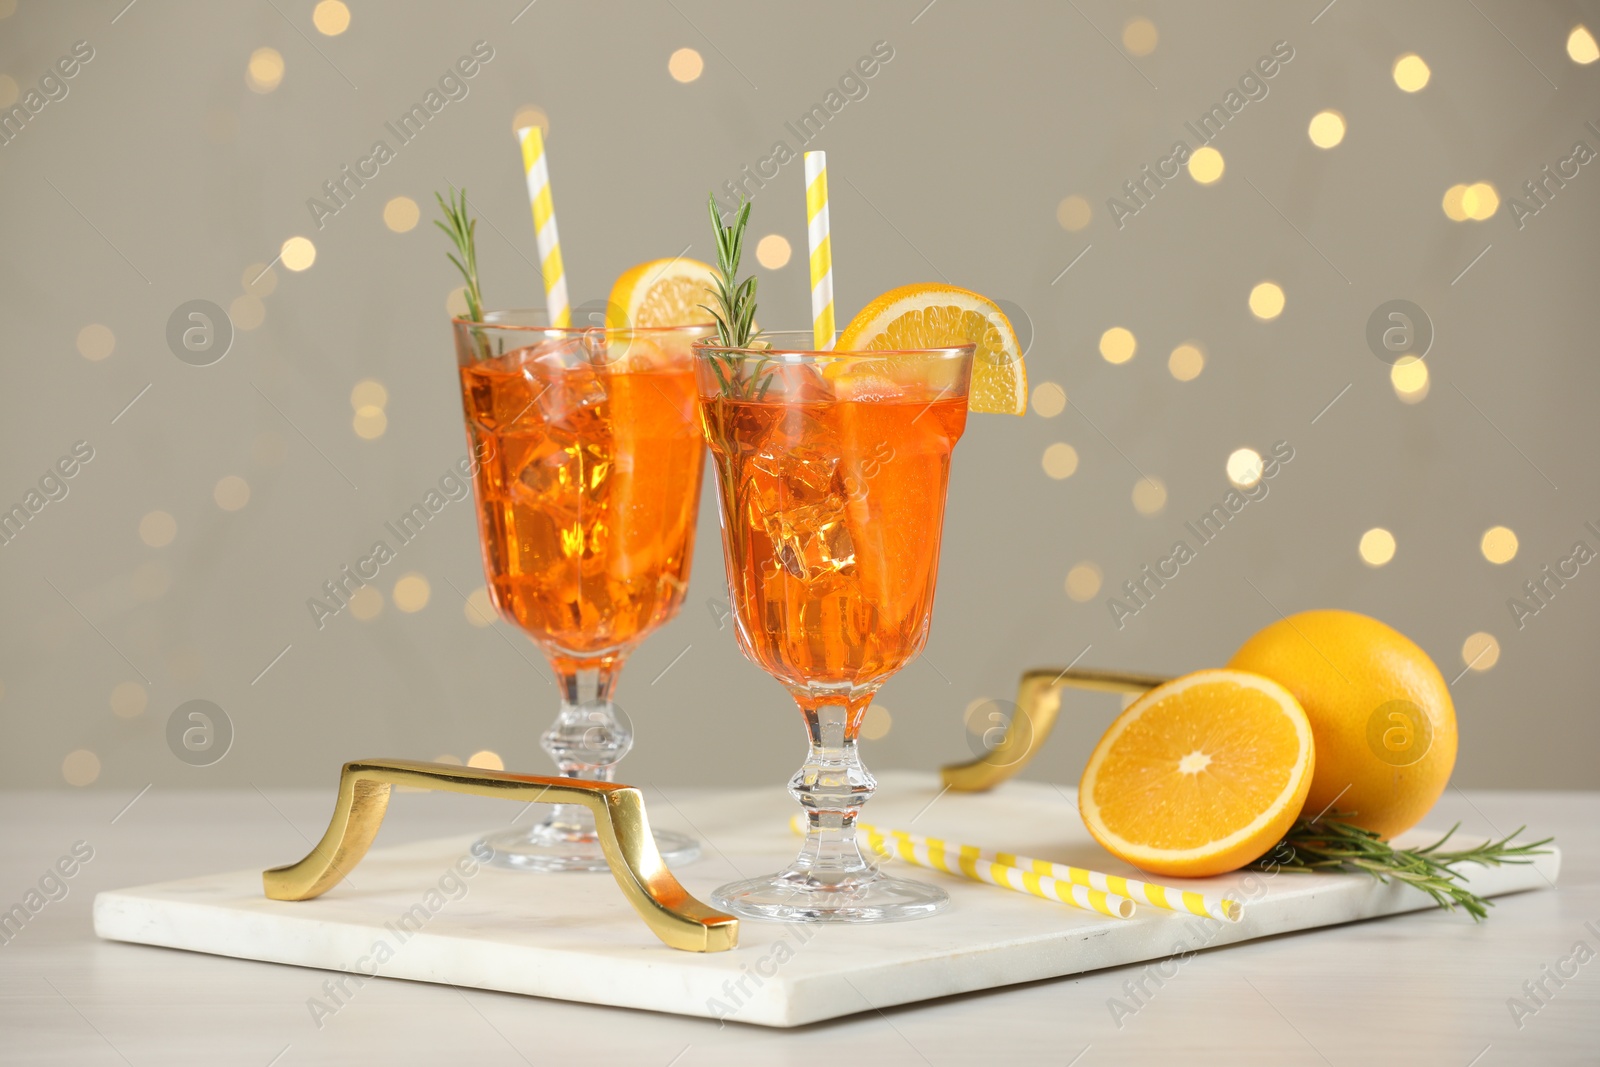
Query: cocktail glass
[588, 483]
[831, 470]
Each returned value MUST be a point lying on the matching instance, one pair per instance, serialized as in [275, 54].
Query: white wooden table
[1421, 989]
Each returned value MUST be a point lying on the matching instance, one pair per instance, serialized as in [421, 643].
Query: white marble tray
[572, 937]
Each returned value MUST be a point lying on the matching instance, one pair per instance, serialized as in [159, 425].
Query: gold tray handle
[1038, 703]
[674, 916]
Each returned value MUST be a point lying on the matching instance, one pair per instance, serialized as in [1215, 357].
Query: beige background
[162, 176]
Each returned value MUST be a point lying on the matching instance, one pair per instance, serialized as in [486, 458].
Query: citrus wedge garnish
[930, 315]
[1199, 776]
[664, 292]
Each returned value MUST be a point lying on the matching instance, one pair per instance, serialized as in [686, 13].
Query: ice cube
[801, 456]
[839, 548]
[811, 542]
[535, 542]
[574, 400]
[563, 474]
[539, 475]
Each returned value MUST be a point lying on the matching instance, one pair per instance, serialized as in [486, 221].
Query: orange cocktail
[842, 502]
[832, 470]
[587, 502]
[587, 489]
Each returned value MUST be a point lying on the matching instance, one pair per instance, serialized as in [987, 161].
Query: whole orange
[1381, 714]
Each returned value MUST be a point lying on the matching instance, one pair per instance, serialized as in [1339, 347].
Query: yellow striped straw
[927, 853]
[1026, 867]
[821, 250]
[1147, 892]
[544, 225]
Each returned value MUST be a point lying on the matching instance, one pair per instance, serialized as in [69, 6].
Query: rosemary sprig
[462, 230]
[1332, 845]
[735, 311]
[736, 301]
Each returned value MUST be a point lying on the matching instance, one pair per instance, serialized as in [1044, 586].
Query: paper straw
[926, 853]
[1166, 897]
[1159, 896]
[544, 225]
[821, 250]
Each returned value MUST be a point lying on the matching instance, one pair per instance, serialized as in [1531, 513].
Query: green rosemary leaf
[735, 311]
[1334, 845]
[736, 299]
[462, 230]
[722, 379]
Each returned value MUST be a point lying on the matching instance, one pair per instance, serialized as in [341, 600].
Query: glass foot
[547, 848]
[798, 896]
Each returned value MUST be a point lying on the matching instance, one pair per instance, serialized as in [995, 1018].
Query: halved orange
[930, 315]
[1200, 775]
[664, 292]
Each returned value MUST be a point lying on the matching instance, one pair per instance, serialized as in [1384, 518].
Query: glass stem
[587, 739]
[832, 785]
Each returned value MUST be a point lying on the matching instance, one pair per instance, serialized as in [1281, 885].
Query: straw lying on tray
[927, 852]
[1108, 894]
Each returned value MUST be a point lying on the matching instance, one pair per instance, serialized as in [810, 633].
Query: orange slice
[928, 315]
[664, 292]
[1200, 775]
